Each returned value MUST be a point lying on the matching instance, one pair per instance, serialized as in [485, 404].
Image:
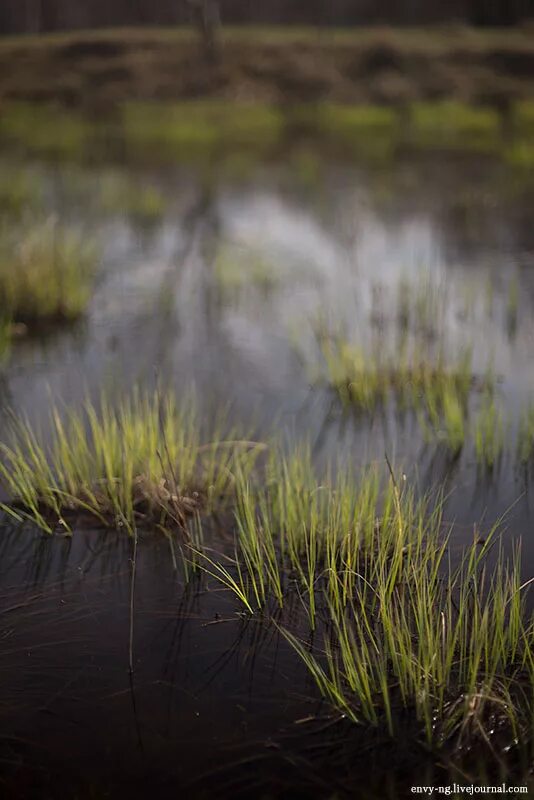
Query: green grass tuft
[447, 411]
[406, 633]
[141, 461]
[413, 380]
[46, 274]
[489, 434]
[451, 648]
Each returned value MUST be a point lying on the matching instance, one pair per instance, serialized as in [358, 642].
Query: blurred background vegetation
[25, 16]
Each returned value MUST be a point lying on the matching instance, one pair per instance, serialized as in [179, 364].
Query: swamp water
[223, 281]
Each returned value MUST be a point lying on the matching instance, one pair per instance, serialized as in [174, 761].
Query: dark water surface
[209, 687]
[215, 699]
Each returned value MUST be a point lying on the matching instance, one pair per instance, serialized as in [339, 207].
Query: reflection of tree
[189, 280]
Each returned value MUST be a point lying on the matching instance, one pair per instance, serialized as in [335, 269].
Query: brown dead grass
[102, 68]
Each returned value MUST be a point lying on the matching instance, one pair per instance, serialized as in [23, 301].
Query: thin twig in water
[132, 598]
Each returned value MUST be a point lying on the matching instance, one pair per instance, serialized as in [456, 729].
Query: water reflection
[202, 674]
[212, 692]
[223, 289]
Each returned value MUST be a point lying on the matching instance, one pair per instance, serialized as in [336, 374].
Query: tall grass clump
[46, 274]
[445, 417]
[452, 648]
[406, 633]
[295, 531]
[140, 461]
[488, 434]
[437, 388]
[366, 379]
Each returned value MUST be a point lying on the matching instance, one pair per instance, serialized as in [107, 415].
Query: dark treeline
[25, 16]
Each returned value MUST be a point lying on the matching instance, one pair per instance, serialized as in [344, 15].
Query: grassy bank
[366, 91]
[270, 65]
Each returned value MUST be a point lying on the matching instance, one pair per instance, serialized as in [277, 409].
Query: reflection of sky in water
[340, 250]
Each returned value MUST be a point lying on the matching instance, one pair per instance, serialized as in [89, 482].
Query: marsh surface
[219, 279]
